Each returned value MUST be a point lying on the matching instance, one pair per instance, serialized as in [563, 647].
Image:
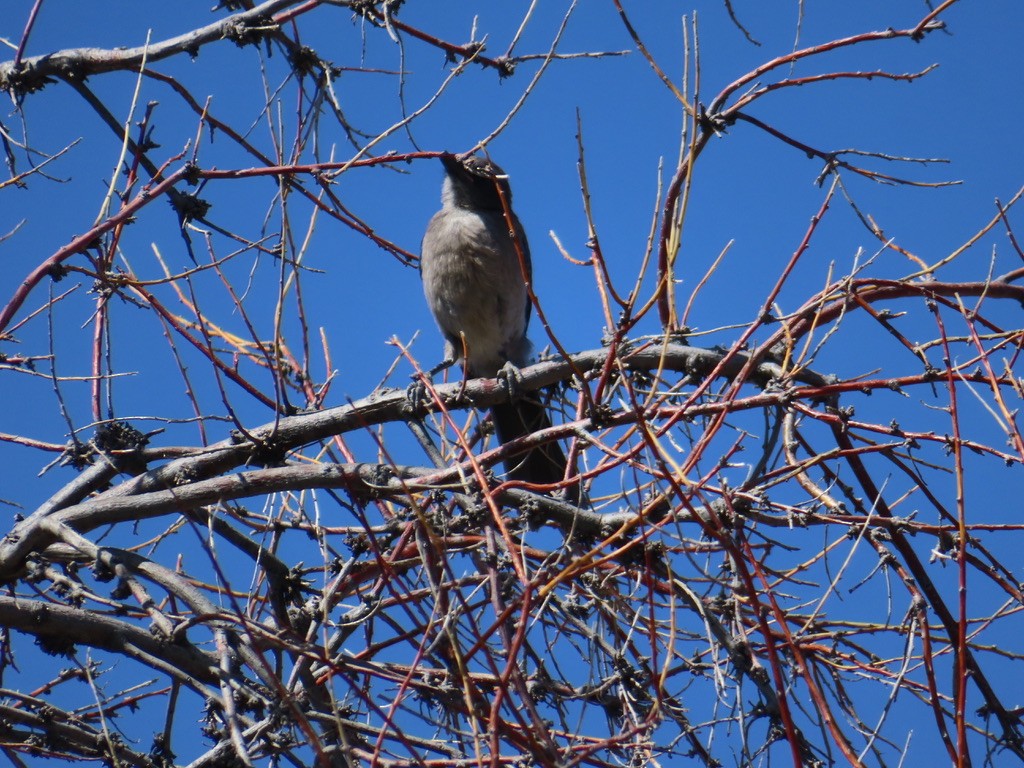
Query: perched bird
[473, 281]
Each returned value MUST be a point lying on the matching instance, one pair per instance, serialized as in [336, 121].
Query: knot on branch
[294, 585]
[262, 453]
[122, 444]
[367, 9]
[506, 66]
[243, 32]
[119, 436]
[57, 272]
[532, 514]
[191, 173]
[380, 476]
[188, 206]
[362, 7]
[469, 50]
[78, 455]
[21, 80]
[829, 169]
[712, 123]
[601, 415]
[56, 645]
[923, 30]
[305, 61]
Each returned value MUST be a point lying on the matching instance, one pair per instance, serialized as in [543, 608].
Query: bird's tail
[544, 464]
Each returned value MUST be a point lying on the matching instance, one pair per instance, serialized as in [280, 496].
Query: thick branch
[34, 73]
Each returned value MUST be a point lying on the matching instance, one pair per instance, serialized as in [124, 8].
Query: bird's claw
[416, 392]
[511, 378]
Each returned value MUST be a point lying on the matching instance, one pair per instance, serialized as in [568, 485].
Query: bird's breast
[474, 286]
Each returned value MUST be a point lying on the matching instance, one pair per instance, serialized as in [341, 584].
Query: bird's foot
[511, 378]
[416, 392]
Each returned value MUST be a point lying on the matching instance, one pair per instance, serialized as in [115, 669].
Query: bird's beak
[452, 165]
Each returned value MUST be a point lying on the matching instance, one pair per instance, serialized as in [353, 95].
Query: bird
[474, 279]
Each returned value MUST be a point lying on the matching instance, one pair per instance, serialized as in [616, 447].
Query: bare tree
[269, 570]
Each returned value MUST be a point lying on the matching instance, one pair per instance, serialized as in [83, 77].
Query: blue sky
[749, 189]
